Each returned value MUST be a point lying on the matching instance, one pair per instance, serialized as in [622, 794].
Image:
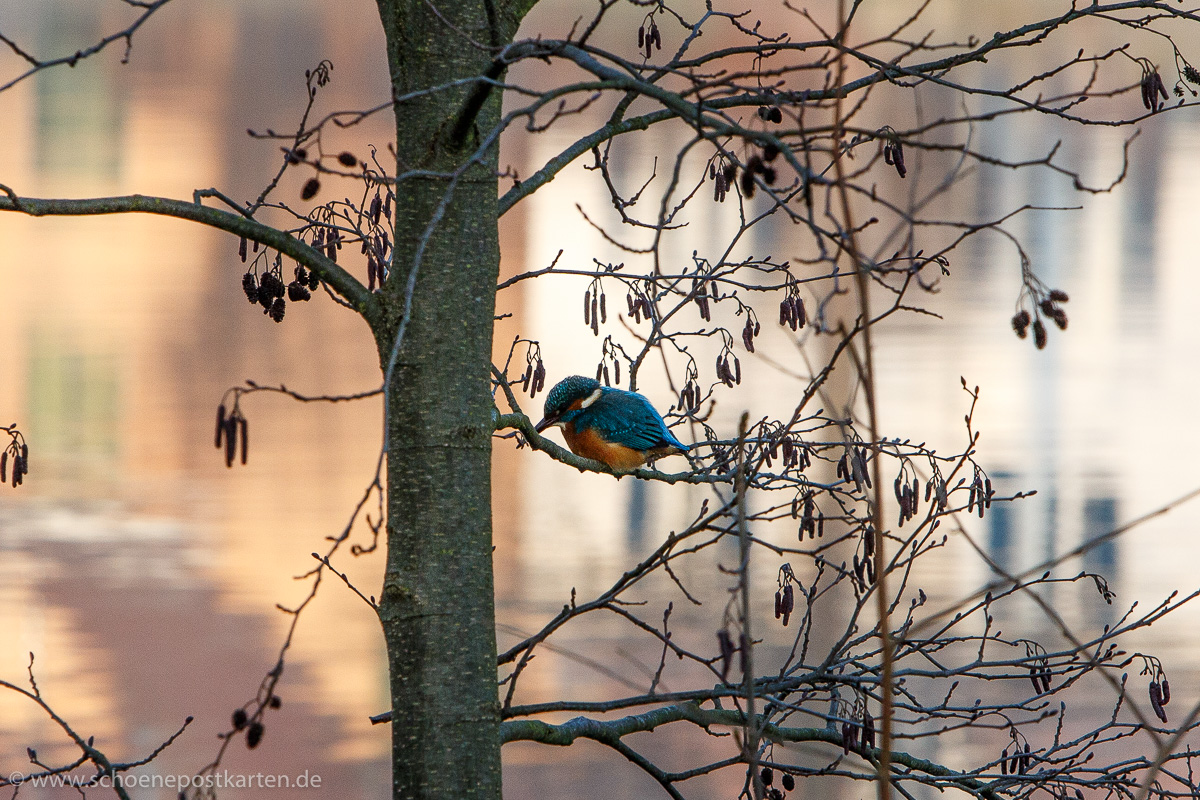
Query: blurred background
[144, 575]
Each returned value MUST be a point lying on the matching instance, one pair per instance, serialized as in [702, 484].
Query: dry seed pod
[250, 287]
[239, 719]
[4, 467]
[766, 776]
[245, 439]
[277, 309]
[242, 249]
[789, 783]
[275, 702]
[347, 159]
[747, 184]
[311, 187]
[778, 605]
[1166, 691]
[254, 735]
[1020, 323]
[296, 292]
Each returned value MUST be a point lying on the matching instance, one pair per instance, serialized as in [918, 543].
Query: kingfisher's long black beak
[548, 422]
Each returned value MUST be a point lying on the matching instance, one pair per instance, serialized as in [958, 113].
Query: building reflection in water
[144, 575]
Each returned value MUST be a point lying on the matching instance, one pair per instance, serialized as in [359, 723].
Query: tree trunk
[437, 604]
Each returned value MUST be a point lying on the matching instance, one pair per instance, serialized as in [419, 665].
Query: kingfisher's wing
[628, 419]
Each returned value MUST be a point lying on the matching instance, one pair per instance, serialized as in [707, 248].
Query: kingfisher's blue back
[626, 418]
[616, 427]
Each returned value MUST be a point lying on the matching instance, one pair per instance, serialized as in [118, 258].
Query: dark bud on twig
[727, 650]
[311, 187]
[230, 440]
[744, 653]
[789, 603]
[1004, 762]
[376, 206]
[239, 719]
[641, 37]
[1035, 675]
[254, 735]
[778, 605]
[245, 439]
[275, 702]
[4, 467]
[31, 753]
[789, 783]
[1059, 296]
[1156, 701]
[242, 249]
[1166, 691]
[868, 729]
[347, 159]
[220, 429]
[770, 152]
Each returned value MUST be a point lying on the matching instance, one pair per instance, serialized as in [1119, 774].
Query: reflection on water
[144, 575]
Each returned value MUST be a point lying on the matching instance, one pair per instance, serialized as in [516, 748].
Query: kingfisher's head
[569, 394]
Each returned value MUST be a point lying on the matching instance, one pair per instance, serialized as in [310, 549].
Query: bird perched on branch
[613, 426]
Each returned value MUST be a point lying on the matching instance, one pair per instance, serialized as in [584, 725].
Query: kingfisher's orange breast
[589, 444]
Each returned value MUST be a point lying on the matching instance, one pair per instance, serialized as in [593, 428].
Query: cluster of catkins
[268, 290]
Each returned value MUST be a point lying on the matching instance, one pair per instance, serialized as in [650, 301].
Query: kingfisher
[613, 426]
